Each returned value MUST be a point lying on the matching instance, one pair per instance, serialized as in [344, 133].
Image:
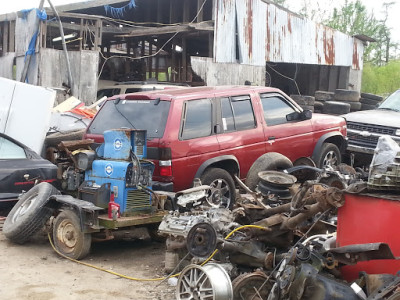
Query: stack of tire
[344, 101]
[369, 101]
[320, 98]
[305, 102]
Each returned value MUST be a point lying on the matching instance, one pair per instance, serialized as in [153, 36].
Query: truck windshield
[392, 102]
[150, 115]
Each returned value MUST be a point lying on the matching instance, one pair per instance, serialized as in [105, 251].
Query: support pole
[64, 45]
[29, 56]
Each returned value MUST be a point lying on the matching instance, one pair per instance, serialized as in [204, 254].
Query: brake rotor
[277, 179]
[201, 240]
[251, 286]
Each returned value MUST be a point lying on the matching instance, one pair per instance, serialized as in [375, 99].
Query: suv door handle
[271, 138]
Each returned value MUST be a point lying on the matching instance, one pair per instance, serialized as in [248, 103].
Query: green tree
[353, 18]
[280, 2]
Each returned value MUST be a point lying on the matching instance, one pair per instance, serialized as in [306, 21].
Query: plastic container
[370, 219]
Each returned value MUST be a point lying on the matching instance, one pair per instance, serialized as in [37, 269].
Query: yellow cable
[148, 279]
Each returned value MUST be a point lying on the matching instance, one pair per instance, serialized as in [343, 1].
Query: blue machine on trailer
[114, 185]
[124, 168]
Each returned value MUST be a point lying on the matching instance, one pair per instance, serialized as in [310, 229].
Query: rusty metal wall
[268, 33]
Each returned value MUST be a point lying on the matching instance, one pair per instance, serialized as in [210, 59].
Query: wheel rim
[24, 207]
[251, 286]
[220, 194]
[330, 159]
[201, 283]
[67, 235]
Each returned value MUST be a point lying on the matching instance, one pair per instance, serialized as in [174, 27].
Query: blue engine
[123, 167]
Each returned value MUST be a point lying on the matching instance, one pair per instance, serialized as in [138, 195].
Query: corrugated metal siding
[267, 33]
[225, 34]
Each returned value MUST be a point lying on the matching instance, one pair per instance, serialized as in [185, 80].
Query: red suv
[212, 133]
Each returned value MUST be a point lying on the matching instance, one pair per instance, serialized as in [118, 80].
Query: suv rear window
[135, 114]
[197, 120]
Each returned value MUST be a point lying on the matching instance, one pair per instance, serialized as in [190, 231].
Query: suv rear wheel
[223, 191]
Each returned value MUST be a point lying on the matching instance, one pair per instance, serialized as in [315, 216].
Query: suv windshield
[150, 115]
[392, 102]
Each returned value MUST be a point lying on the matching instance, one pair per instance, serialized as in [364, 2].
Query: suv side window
[275, 109]
[237, 113]
[197, 119]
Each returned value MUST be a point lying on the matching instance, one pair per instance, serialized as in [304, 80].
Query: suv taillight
[165, 167]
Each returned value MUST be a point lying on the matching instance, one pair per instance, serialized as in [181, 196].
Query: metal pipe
[64, 45]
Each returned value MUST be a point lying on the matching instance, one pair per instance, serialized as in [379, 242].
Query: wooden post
[184, 60]
[5, 36]
[29, 56]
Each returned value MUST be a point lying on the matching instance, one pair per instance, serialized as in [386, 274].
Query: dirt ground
[34, 271]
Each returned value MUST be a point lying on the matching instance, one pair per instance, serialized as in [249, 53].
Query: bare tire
[347, 95]
[272, 161]
[55, 138]
[303, 100]
[355, 106]
[68, 238]
[309, 107]
[324, 96]
[372, 96]
[329, 155]
[28, 216]
[336, 108]
[318, 106]
[223, 192]
[367, 107]
[369, 101]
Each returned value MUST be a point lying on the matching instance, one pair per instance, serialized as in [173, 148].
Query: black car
[20, 168]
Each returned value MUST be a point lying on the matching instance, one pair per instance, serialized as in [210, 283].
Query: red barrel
[370, 219]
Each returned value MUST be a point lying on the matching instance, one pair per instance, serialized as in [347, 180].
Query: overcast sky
[294, 5]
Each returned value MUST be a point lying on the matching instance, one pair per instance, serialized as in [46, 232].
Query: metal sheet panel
[268, 33]
[251, 35]
[224, 37]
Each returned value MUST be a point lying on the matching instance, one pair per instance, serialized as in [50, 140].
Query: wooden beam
[143, 31]
[85, 5]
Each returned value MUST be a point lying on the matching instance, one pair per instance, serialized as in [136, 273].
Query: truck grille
[357, 139]
[137, 200]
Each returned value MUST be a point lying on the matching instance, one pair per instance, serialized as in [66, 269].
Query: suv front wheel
[329, 156]
[222, 193]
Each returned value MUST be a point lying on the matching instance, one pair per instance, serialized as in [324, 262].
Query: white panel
[29, 113]
[7, 90]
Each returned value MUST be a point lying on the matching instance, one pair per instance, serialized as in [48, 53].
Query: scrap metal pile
[279, 242]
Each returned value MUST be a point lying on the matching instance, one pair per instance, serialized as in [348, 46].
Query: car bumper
[163, 186]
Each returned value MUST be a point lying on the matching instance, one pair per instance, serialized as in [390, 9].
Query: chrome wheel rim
[330, 159]
[209, 282]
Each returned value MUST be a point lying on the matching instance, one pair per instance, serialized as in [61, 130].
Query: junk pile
[279, 242]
